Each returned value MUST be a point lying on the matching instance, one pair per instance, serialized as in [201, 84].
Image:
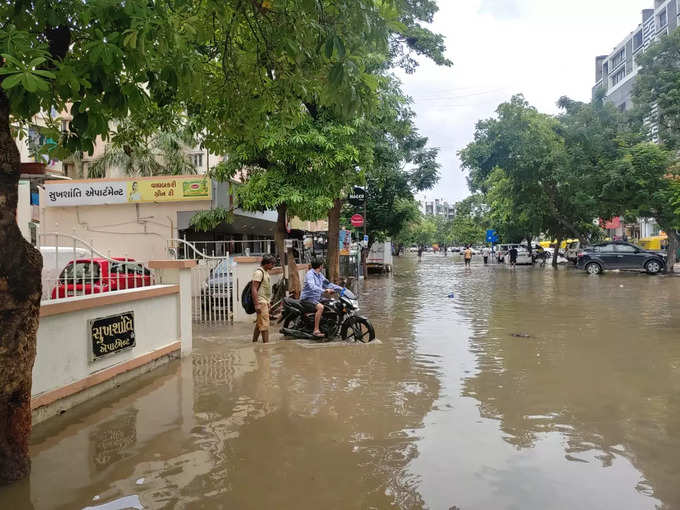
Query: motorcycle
[339, 315]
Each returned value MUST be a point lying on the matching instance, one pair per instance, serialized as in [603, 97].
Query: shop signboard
[357, 197]
[124, 191]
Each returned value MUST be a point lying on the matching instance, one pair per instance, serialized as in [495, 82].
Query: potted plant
[38, 165]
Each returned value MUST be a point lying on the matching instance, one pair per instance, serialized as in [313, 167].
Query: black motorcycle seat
[294, 303]
[303, 306]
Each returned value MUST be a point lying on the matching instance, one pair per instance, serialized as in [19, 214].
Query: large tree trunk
[556, 253]
[287, 257]
[334, 241]
[294, 286]
[20, 289]
[280, 234]
[673, 242]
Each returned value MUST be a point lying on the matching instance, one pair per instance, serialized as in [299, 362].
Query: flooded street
[529, 389]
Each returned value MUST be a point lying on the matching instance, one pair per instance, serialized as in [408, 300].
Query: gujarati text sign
[100, 192]
[113, 333]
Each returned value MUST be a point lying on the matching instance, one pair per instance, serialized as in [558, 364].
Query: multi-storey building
[438, 207]
[615, 73]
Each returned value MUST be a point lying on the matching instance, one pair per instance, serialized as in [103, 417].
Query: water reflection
[238, 425]
[586, 390]
[579, 409]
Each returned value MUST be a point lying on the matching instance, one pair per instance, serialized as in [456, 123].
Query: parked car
[572, 250]
[216, 291]
[620, 255]
[503, 249]
[523, 257]
[97, 275]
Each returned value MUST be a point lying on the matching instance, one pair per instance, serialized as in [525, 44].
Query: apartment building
[438, 207]
[616, 72]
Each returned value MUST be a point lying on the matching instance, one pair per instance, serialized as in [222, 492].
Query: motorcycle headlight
[354, 303]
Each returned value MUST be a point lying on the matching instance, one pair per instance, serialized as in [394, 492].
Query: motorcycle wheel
[358, 329]
[292, 322]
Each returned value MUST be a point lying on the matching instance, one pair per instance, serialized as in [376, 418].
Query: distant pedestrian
[485, 254]
[513, 256]
[420, 253]
[467, 255]
[261, 290]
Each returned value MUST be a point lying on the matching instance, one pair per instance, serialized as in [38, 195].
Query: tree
[422, 231]
[402, 165]
[53, 55]
[365, 40]
[471, 221]
[545, 174]
[301, 173]
[161, 153]
[657, 91]
[657, 100]
[233, 66]
[648, 175]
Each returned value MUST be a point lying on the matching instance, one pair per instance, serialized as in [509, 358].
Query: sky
[543, 49]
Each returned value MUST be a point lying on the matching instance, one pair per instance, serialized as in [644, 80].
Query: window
[197, 160]
[83, 271]
[618, 58]
[662, 19]
[618, 76]
[128, 268]
[625, 248]
[637, 40]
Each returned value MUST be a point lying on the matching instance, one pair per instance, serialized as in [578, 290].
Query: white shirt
[486, 251]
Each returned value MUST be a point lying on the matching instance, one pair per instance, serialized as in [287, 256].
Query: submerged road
[529, 389]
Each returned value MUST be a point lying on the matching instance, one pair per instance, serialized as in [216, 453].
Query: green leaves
[27, 75]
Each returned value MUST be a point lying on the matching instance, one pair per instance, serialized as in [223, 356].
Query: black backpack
[247, 297]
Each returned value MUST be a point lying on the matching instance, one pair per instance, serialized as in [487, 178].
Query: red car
[97, 275]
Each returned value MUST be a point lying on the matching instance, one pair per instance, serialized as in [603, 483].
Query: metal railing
[211, 282]
[73, 267]
[184, 248]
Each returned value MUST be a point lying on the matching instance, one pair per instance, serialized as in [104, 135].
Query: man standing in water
[261, 291]
[485, 253]
[513, 256]
[467, 255]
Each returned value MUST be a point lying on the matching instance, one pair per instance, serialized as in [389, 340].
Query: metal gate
[212, 298]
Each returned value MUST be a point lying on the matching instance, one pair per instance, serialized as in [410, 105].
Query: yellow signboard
[169, 189]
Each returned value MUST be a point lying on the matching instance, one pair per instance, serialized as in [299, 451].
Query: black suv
[620, 255]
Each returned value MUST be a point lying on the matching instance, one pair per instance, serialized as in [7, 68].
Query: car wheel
[593, 268]
[653, 267]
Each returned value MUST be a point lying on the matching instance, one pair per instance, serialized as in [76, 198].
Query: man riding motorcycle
[315, 286]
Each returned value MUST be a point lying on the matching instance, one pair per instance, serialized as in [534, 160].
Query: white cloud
[541, 48]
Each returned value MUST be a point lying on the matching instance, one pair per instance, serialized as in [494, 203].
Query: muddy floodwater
[528, 389]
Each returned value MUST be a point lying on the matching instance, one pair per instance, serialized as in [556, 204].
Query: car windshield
[81, 271]
[222, 269]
